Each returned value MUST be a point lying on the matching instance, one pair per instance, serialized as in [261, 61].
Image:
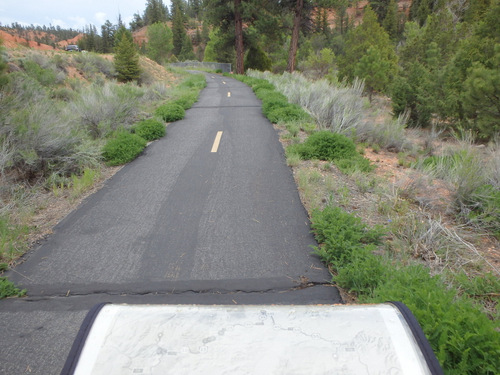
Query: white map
[172, 339]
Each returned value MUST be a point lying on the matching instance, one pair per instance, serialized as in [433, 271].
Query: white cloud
[78, 22]
[100, 17]
[61, 23]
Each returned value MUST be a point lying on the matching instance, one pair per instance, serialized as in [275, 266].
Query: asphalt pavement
[210, 214]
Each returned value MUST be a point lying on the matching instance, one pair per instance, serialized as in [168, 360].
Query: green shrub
[150, 129]
[170, 112]
[269, 95]
[186, 100]
[464, 339]
[341, 235]
[363, 273]
[124, 147]
[325, 145]
[290, 112]
[47, 77]
[257, 59]
[8, 289]
[335, 147]
[262, 85]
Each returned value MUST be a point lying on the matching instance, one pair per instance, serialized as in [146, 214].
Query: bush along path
[125, 145]
[462, 336]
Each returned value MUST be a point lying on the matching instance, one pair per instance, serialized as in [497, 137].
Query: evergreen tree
[187, 52]
[91, 40]
[380, 7]
[220, 47]
[178, 29]
[257, 59]
[137, 22]
[126, 58]
[360, 39]
[482, 96]
[155, 12]
[391, 20]
[107, 37]
[159, 42]
[122, 31]
[375, 70]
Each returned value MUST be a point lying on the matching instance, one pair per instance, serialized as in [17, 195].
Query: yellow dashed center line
[229, 94]
[215, 146]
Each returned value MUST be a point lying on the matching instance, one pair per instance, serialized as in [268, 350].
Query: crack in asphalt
[124, 293]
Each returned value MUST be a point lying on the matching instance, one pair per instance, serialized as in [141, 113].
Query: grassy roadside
[63, 136]
[401, 251]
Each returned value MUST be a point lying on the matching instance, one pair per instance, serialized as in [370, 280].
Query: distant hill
[40, 40]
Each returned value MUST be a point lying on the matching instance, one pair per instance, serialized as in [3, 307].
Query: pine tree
[126, 59]
[482, 96]
[178, 29]
[391, 19]
[155, 12]
[159, 42]
[375, 70]
[187, 52]
[257, 59]
[360, 39]
[107, 37]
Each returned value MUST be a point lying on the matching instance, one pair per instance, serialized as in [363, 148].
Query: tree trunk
[294, 43]
[240, 52]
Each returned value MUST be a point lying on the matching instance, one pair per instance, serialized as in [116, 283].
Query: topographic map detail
[250, 340]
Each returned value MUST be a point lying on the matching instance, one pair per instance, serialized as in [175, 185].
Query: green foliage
[150, 129]
[126, 60]
[325, 145]
[155, 12]
[461, 336]
[187, 52]
[91, 64]
[286, 113]
[186, 99]
[13, 241]
[170, 112]
[360, 39]
[8, 289]
[463, 339]
[220, 47]
[123, 148]
[3, 66]
[257, 59]
[178, 29]
[322, 64]
[375, 69]
[363, 273]
[412, 91]
[482, 96]
[47, 77]
[391, 20]
[159, 42]
[341, 235]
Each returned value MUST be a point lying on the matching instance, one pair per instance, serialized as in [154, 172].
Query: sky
[75, 14]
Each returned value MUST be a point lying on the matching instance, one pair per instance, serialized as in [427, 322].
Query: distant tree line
[49, 35]
[437, 60]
